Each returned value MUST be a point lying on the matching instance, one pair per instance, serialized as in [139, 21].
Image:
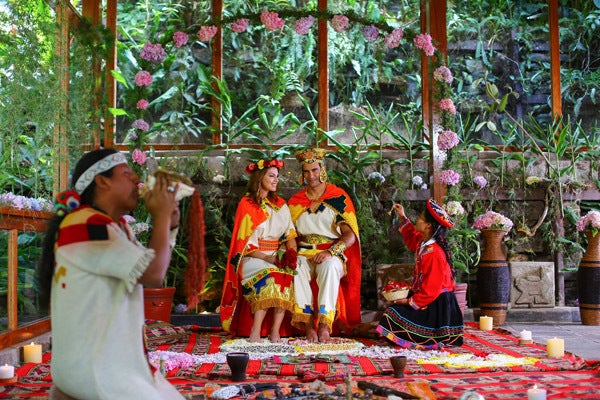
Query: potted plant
[464, 245]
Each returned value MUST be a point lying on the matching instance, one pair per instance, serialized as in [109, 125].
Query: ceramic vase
[588, 281]
[493, 277]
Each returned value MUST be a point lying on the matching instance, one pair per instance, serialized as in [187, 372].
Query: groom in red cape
[327, 228]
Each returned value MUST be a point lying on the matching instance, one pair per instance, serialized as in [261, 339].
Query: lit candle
[486, 323]
[7, 371]
[536, 394]
[555, 348]
[32, 353]
[525, 335]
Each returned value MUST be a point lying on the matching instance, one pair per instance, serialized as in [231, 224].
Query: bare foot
[324, 335]
[254, 336]
[311, 334]
[275, 338]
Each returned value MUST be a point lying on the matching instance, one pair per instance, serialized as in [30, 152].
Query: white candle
[536, 394]
[555, 348]
[32, 353]
[486, 323]
[525, 335]
[7, 371]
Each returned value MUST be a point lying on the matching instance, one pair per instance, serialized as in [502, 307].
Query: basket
[396, 294]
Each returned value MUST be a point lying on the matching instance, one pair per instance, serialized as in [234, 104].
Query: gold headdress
[309, 156]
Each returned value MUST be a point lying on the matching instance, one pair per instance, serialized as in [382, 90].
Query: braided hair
[439, 235]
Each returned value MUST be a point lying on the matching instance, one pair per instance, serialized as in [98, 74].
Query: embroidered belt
[322, 246]
[268, 245]
[316, 239]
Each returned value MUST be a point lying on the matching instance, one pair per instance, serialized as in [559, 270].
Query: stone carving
[532, 284]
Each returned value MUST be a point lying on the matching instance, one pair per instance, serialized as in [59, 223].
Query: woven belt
[268, 245]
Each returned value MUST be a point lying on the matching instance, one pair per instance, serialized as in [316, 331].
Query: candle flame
[534, 387]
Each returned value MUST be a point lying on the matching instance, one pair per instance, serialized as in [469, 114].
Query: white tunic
[97, 315]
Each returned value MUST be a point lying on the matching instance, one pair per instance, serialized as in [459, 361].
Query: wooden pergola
[433, 21]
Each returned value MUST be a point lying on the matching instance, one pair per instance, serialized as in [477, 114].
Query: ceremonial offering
[184, 183]
[394, 290]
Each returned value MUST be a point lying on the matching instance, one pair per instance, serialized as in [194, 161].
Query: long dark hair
[254, 185]
[439, 235]
[46, 262]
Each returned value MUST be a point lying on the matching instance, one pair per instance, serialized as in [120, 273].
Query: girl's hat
[440, 215]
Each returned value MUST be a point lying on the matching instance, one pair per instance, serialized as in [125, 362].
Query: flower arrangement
[590, 221]
[395, 290]
[492, 220]
[27, 203]
[287, 260]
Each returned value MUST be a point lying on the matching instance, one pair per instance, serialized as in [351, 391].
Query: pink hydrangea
[138, 156]
[339, 23]
[447, 105]
[142, 104]
[153, 53]
[480, 181]
[492, 220]
[303, 25]
[443, 74]
[423, 42]
[271, 20]
[240, 25]
[447, 140]
[141, 125]
[143, 78]
[370, 33]
[180, 39]
[449, 177]
[393, 39]
[206, 32]
[591, 221]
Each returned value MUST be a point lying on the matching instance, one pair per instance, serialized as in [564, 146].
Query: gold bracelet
[338, 249]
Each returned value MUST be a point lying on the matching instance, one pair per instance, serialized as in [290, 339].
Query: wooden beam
[323, 71]
[217, 66]
[555, 84]
[433, 21]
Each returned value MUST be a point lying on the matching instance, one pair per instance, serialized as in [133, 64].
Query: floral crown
[261, 164]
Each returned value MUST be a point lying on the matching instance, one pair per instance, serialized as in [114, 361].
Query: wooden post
[91, 10]
[217, 65]
[554, 58]
[59, 138]
[110, 64]
[433, 21]
[323, 68]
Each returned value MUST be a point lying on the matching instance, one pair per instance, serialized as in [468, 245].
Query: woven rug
[480, 364]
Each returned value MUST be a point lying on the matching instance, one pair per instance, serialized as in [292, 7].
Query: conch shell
[185, 188]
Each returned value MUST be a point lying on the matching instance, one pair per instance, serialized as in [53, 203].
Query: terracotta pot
[158, 303]
[460, 291]
[588, 281]
[493, 277]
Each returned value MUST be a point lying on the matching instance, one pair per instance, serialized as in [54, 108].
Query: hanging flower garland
[302, 21]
